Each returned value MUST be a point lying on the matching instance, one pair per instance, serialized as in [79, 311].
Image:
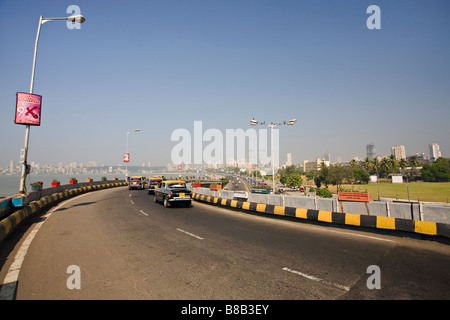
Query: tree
[385, 167]
[361, 176]
[224, 181]
[338, 174]
[438, 171]
[324, 192]
[375, 165]
[294, 180]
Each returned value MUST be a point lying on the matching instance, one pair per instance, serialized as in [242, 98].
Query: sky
[160, 65]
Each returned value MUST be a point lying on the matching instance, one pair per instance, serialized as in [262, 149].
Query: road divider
[10, 223]
[350, 219]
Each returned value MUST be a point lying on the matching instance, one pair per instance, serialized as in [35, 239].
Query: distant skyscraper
[370, 148]
[327, 156]
[399, 152]
[289, 159]
[434, 151]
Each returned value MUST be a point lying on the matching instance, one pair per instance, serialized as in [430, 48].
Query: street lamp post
[77, 18]
[126, 150]
[272, 125]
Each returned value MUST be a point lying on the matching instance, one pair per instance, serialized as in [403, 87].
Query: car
[153, 184]
[172, 191]
[136, 182]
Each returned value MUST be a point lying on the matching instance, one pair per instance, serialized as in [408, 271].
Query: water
[9, 184]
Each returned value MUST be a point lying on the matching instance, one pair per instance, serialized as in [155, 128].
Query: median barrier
[350, 219]
[11, 222]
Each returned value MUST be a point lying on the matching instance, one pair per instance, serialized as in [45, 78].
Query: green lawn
[423, 191]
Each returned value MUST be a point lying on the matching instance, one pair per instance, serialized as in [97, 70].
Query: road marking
[132, 202]
[307, 276]
[143, 213]
[191, 234]
[8, 287]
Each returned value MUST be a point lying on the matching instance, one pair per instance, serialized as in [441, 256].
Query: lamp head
[76, 18]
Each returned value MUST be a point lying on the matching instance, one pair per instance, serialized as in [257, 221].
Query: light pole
[77, 18]
[126, 150]
[272, 125]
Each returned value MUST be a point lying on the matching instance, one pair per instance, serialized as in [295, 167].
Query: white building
[289, 159]
[434, 151]
[399, 152]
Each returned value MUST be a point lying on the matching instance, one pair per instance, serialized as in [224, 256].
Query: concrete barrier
[350, 219]
[11, 222]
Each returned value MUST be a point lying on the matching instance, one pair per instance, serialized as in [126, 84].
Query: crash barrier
[350, 219]
[424, 211]
[10, 223]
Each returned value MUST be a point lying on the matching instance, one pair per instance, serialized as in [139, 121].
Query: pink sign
[28, 109]
[126, 157]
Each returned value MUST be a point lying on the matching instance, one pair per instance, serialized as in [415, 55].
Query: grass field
[422, 191]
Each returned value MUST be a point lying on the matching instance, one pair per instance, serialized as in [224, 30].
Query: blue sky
[161, 65]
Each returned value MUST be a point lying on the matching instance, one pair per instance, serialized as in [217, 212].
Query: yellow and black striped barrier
[351, 219]
[10, 223]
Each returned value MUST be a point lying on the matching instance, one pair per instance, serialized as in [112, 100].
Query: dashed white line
[191, 234]
[307, 276]
[145, 214]
[132, 202]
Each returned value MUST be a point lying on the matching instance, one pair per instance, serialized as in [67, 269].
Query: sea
[9, 184]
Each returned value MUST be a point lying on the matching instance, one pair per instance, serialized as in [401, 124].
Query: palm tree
[367, 164]
[375, 166]
[402, 164]
[413, 161]
[394, 163]
[385, 166]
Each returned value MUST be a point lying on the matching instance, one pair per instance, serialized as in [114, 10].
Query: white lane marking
[191, 234]
[132, 202]
[143, 213]
[9, 284]
[307, 276]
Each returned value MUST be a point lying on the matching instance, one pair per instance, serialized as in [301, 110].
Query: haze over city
[161, 65]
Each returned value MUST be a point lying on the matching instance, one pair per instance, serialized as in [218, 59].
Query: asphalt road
[127, 247]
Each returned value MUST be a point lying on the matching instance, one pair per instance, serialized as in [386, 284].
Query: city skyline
[164, 65]
[398, 152]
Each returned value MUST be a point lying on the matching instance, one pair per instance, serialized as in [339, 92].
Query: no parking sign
[28, 109]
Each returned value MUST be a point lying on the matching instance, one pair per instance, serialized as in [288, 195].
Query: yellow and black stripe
[8, 224]
[351, 219]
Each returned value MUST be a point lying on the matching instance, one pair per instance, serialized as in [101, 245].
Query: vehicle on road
[136, 182]
[153, 184]
[172, 191]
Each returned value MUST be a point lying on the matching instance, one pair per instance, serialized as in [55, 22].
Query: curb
[10, 223]
[350, 219]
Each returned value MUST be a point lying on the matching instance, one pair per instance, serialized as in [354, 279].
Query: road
[127, 247]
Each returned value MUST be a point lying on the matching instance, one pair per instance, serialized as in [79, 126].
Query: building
[435, 152]
[370, 149]
[399, 152]
[314, 165]
[289, 159]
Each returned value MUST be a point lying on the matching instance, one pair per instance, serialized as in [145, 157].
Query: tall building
[327, 157]
[399, 152]
[370, 149]
[289, 159]
[434, 151]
